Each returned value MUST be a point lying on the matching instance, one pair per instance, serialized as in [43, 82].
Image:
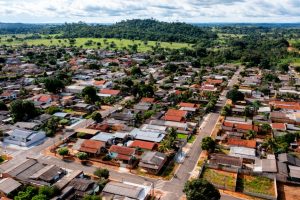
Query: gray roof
[153, 160]
[147, 135]
[104, 137]
[290, 159]
[123, 189]
[21, 133]
[294, 171]
[8, 185]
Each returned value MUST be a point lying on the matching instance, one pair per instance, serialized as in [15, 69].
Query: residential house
[9, 95]
[226, 161]
[125, 190]
[175, 115]
[124, 154]
[153, 161]
[268, 165]
[145, 135]
[9, 186]
[92, 147]
[235, 142]
[109, 92]
[24, 137]
[143, 145]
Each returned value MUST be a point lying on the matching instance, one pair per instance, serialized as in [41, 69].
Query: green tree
[3, 106]
[101, 173]
[265, 128]
[250, 134]
[27, 194]
[40, 197]
[22, 110]
[82, 155]
[49, 191]
[235, 95]
[52, 109]
[201, 189]
[89, 93]
[63, 151]
[226, 110]
[97, 117]
[51, 126]
[53, 85]
[208, 144]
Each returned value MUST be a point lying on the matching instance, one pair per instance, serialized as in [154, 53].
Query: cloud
[165, 10]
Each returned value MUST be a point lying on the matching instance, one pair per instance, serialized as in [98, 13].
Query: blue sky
[108, 11]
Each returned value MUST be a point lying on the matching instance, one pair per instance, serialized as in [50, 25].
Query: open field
[221, 178]
[256, 184]
[94, 43]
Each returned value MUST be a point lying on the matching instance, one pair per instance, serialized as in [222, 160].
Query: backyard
[220, 178]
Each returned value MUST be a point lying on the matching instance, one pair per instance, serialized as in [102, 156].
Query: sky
[110, 11]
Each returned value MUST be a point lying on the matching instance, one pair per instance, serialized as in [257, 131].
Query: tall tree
[200, 189]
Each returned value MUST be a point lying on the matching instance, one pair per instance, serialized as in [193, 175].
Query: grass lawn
[256, 184]
[104, 43]
[181, 136]
[192, 139]
[221, 178]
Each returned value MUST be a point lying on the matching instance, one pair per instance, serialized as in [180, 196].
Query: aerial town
[121, 125]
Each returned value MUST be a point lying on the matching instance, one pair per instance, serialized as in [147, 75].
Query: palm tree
[256, 104]
[250, 134]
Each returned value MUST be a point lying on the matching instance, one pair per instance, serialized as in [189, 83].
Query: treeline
[19, 28]
[146, 30]
[136, 29]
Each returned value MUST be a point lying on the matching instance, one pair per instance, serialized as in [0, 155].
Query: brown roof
[241, 143]
[148, 100]
[122, 150]
[143, 144]
[91, 146]
[225, 160]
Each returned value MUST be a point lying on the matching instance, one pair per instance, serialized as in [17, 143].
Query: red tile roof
[178, 113]
[244, 126]
[109, 91]
[123, 157]
[102, 82]
[91, 146]
[228, 124]
[214, 81]
[278, 126]
[122, 150]
[241, 143]
[143, 144]
[189, 105]
[173, 118]
[148, 100]
[178, 92]
[286, 105]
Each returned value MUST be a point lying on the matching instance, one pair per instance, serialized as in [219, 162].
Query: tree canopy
[201, 189]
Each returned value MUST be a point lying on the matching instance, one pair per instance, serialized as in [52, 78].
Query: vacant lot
[220, 178]
[91, 43]
[256, 184]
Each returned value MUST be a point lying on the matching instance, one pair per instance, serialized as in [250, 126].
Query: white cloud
[165, 10]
